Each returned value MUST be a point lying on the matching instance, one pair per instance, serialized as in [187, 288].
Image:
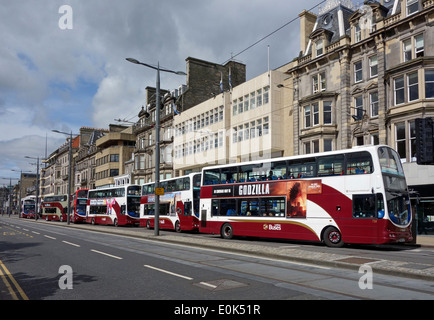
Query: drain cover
[223, 284]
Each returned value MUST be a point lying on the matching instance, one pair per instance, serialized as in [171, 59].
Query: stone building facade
[204, 81]
[364, 75]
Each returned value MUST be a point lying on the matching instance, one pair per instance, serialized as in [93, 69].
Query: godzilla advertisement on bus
[295, 192]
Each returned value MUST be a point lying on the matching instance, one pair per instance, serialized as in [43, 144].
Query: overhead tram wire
[270, 34]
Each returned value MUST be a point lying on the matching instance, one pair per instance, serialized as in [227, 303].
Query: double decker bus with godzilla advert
[357, 195]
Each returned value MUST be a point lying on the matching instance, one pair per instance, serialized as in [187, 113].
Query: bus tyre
[148, 225]
[333, 237]
[177, 226]
[227, 232]
[115, 222]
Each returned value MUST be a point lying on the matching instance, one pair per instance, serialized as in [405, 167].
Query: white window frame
[373, 66]
[358, 71]
[410, 7]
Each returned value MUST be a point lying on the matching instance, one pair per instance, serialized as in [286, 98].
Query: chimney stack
[307, 23]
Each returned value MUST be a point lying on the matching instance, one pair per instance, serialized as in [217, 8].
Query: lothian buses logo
[272, 227]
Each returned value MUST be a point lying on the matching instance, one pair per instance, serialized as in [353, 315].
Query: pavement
[289, 253]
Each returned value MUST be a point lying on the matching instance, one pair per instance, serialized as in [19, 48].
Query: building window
[413, 48]
[319, 48]
[319, 82]
[259, 128]
[327, 112]
[266, 95]
[246, 131]
[252, 130]
[405, 137]
[429, 84]
[315, 146]
[307, 148]
[375, 139]
[259, 97]
[240, 105]
[419, 46]
[413, 86]
[412, 7]
[328, 145]
[358, 33]
[252, 101]
[266, 126]
[311, 147]
[400, 139]
[407, 50]
[412, 138]
[399, 90]
[315, 114]
[307, 116]
[373, 102]
[373, 66]
[246, 103]
[358, 106]
[358, 72]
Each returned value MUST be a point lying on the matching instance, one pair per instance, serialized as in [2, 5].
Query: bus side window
[228, 207]
[359, 163]
[229, 175]
[364, 206]
[278, 170]
[211, 177]
[380, 206]
[187, 208]
[215, 207]
[331, 165]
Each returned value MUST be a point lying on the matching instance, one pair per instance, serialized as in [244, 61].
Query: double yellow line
[14, 288]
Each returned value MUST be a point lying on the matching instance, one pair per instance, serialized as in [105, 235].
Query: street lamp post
[157, 137]
[69, 173]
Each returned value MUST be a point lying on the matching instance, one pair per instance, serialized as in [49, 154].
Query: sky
[62, 62]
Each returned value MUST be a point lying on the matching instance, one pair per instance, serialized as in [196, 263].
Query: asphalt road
[42, 261]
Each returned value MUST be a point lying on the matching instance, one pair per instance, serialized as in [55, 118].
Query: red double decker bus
[179, 206]
[78, 206]
[115, 206]
[349, 196]
[55, 208]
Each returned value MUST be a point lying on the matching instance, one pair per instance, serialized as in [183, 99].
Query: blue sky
[63, 79]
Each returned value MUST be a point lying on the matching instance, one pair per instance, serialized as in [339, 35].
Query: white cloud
[64, 79]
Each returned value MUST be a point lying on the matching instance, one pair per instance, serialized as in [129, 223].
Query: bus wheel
[177, 226]
[148, 225]
[93, 221]
[333, 237]
[227, 231]
[115, 223]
